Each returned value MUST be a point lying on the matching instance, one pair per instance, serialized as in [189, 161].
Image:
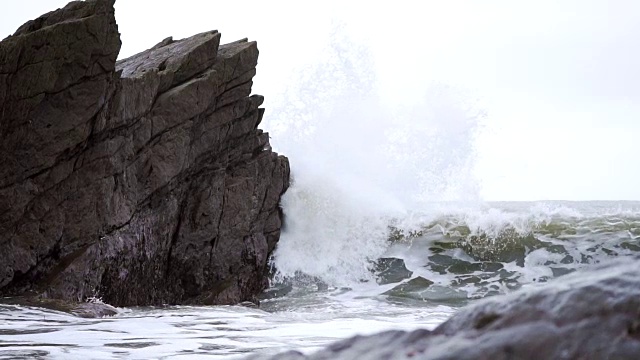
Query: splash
[360, 163]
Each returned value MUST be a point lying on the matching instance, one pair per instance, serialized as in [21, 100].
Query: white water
[222, 332]
[360, 164]
[307, 319]
[364, 167]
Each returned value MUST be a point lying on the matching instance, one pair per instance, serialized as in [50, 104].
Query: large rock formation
[142, 181]
[593, 314]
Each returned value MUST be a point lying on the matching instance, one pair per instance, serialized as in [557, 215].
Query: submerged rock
[415, 285]
[93, 310]
[423, 289]
[90, 309]
[391, 270]
[143, 181]
[591, 314]
[276, 291]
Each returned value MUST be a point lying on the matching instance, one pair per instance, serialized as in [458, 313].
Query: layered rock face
[143, 181]
[593, 314]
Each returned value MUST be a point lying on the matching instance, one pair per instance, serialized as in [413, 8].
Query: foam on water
[498, 247]
[223, 332]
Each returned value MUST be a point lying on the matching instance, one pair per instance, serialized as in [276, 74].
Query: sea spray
[360, 164]
[337, 209]
[376, 179]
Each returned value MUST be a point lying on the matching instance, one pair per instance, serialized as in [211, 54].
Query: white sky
[560, 80]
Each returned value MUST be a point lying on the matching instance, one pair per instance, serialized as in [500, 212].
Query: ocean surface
[328, 282]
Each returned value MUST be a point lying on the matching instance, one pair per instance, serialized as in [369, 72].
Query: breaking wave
[375, 180]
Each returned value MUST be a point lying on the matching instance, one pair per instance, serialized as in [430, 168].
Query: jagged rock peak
[143, 181]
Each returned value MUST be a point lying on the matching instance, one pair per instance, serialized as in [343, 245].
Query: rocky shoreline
[146, 181]
[591, 314]
[143, 181]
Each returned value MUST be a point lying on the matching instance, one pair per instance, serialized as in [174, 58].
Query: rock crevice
[142, 181]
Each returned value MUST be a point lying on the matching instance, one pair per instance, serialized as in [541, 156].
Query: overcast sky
[559, 81]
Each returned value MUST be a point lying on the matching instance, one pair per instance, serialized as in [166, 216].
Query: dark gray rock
[592, 314]
[391, 270]
[276, 291]
[90, 309]
[415, 285]
[142, 182]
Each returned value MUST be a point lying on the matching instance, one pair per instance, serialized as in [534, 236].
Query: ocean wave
[469, 251]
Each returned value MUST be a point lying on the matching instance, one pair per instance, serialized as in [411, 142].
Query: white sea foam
[186, 332]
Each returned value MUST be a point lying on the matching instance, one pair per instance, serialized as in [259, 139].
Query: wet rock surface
[415, 285]
[590, 314]
[391, 270]
[144, 181]
[89, 309]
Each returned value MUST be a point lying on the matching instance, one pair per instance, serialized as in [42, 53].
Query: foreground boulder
[593, 314]
[143, 181]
